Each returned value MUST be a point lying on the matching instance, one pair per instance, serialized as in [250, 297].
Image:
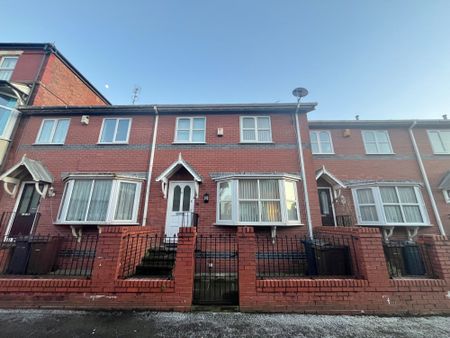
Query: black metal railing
[149, 255]
[408, 259]
[344, 220]
[189, 219]
[48, 255]
[216, 270]
[299, 256]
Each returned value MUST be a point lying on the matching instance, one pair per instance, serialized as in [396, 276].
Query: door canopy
[328, 177]
[173, 169]
[27, 170]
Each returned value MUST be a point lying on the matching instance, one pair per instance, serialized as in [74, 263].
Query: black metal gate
[216, 271]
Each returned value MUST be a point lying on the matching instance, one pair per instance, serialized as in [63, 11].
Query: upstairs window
[377, 142]
[115, 130]
[257, 202]
[321, 142]
[256, 129]
[7, 65]
[440, 141]
[53, 131]
[390, 205]
[190, 130]
[8, 115]
[100, 201]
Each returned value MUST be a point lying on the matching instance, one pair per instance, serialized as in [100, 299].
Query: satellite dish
[300, 92]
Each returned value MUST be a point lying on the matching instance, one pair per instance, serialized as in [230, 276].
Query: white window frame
[112, 205]
[380, 210]
[8, 69]
[315, 134]
[255, 118]
[386, 132]
[235, 216]
[115, 130]
[52, 132]
[231, 184]
[438, 131]
[446, 193]
[9, 127]
[190, 130]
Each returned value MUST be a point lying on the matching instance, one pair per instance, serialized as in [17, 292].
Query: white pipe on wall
[150, 167]
[302, 168]
[425, 179]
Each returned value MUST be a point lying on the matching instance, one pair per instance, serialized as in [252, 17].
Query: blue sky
[378, 59]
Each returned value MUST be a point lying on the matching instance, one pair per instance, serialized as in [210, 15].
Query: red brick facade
[372, 291]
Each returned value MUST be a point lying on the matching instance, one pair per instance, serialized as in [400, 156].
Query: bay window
[268, 201]
[100, 200]
[390, 205]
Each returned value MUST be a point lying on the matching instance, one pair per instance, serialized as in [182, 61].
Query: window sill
[48, 144]
[188, 142]
[259, 225]
[256, 142]
[111, 143]
[96, 223]
[393, 225]
[382, 154]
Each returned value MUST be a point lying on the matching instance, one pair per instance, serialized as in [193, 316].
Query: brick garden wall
[372, 292]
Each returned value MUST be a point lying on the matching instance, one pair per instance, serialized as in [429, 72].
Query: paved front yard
[46, 323]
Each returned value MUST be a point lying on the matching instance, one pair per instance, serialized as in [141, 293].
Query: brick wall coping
[145, 284]
[128, 230]
[311, 283]
[417, 282]
[44, 283]
[436, 238]
[347, 230]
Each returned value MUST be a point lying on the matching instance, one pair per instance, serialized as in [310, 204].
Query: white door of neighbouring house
[180, 206]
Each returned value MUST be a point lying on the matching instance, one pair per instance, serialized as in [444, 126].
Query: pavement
[56, 323]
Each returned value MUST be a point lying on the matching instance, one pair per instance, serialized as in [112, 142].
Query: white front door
[180, 206]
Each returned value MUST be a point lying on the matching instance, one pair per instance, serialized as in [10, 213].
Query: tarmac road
[65, 324]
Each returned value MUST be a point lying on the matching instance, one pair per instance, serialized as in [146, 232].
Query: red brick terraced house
[250, 205]
[38, 74]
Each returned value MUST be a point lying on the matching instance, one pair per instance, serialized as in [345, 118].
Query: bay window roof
[243, 175]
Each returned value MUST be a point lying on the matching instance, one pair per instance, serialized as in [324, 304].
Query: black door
[26, 211]
[326, 207]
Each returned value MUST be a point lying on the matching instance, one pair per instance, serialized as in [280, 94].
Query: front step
[158, 262]
[154, 271]
[215, 308]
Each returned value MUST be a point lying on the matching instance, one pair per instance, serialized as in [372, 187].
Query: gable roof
[51, 48]
[175, 166]
[28, 166]
[329, 177]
